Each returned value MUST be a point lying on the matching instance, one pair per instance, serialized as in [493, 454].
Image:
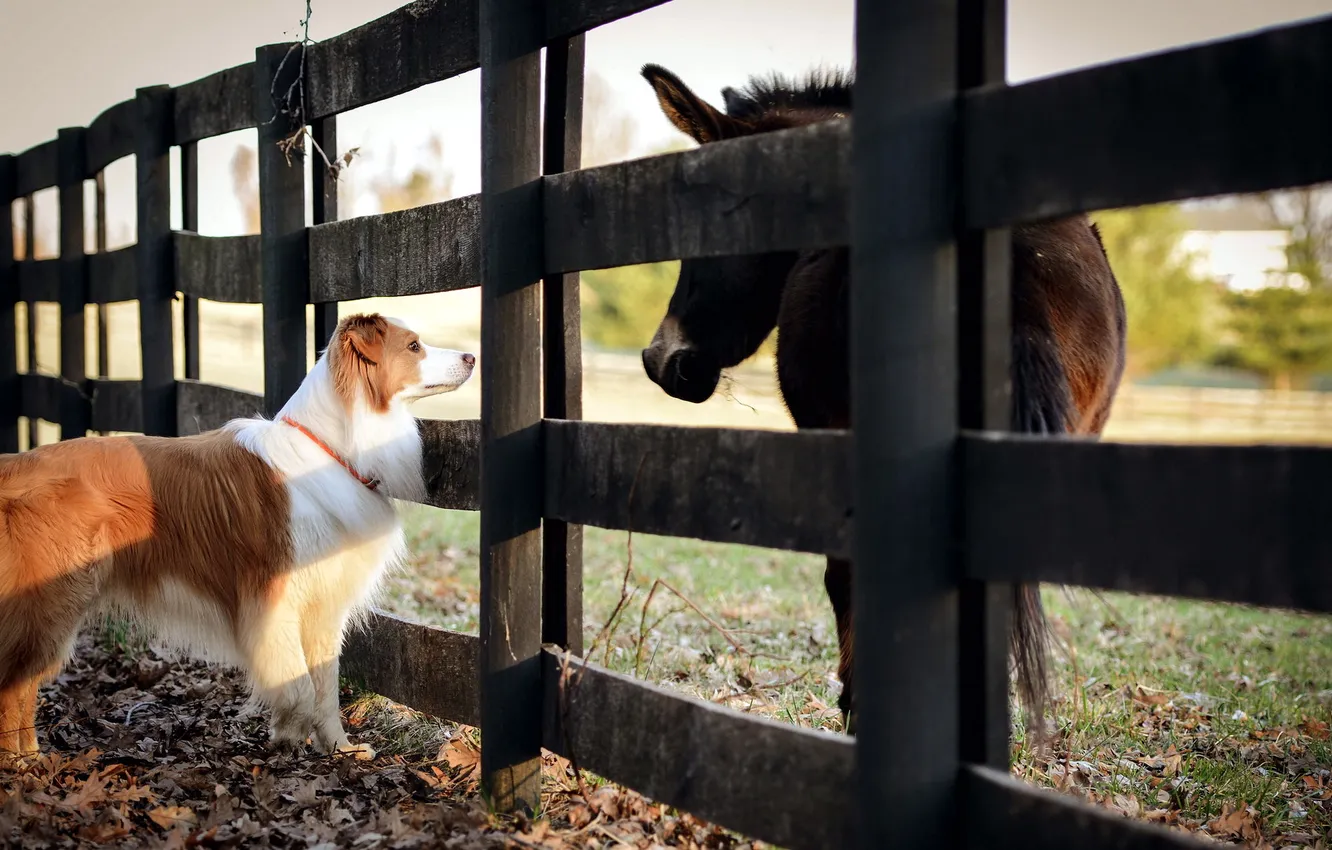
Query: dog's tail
[1042, 404]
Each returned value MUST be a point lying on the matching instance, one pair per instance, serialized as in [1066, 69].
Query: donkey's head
[724, 307]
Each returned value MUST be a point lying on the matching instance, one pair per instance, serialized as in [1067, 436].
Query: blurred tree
[622, 306]
[428, 182]
[245, 186]
[1283, 333]
[44, 239]
[1307, 214]
[1167, 302]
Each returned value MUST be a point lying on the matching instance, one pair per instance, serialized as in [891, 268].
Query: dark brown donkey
[1067, 314]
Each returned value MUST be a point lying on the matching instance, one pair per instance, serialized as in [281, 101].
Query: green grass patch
[1201, 716]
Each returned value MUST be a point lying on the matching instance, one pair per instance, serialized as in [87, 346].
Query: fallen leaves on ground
[143, 751]
[1160, 786]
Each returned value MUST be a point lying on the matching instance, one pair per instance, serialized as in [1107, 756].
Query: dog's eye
[414, 346]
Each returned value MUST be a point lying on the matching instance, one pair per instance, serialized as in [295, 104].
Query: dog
[254, 545]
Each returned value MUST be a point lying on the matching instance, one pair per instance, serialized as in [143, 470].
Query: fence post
[325, 207]
[153, 259]
[75, 408]
[984, 403]
[103, 318]
[9, 386]
[904, 359]
[189, 220]
[511, 461]
[285, 272]
[30, 307]
[562, 543]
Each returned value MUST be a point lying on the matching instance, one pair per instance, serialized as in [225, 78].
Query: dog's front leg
[321, 634]
[280, 675]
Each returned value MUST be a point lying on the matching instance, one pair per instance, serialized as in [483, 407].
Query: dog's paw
[361, 752]
[288, 741]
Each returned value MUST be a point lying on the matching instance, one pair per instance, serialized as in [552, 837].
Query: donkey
[1067, 316]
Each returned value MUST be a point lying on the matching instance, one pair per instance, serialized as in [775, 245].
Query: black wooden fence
[945, 157]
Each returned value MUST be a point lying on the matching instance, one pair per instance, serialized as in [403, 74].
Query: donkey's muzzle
[684, 373]
[677, 367]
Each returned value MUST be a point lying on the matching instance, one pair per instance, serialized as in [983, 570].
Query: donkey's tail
[1042, 404]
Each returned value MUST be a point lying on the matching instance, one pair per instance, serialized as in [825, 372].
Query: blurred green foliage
[1171, 309]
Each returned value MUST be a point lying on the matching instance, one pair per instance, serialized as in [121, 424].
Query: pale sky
[75, 58]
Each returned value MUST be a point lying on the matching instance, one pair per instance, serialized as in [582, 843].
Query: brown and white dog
[253, 545]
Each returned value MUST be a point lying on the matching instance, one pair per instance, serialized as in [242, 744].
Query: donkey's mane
[821, 88]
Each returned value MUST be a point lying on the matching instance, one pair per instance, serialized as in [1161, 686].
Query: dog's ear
[691, 114]
[363, 337]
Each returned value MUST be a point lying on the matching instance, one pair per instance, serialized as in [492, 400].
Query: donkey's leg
[837, 580]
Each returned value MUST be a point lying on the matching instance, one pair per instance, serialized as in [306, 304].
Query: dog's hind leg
[12, 717]
[271, 644]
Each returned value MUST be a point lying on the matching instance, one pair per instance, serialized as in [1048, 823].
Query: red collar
[371, 484]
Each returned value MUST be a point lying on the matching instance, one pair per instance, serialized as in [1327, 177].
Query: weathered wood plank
[1005, 814]
[903, 358]
[510, 39]
[39, 280]
[1161, 128]
[110, 137]
[116, 405]
[764, 488]
[324, 206]
[984, 259]
[189, 220]
[39, 396]
[422, 42]
[112, 276]
[434, 248]
[562, 343]
[70, 154]
[37, 168]
[566, 18]
[103, 325]
[1233, 523]
[218, 103]
[219, 268]
[788, 786]
[153, 260]
[771, 192]
[10, 399]
[202, 407]
[426, 668]
[29, 251]
[452, 464]
[284, 268]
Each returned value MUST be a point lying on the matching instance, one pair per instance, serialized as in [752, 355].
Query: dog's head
[381, 361]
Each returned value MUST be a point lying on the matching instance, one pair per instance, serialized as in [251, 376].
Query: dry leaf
[1140, 695]
[1239, 822]
[171, 816]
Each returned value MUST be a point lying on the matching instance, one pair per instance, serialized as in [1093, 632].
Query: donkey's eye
[414, 346]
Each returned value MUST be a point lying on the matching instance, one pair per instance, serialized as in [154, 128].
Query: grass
[1203, 716]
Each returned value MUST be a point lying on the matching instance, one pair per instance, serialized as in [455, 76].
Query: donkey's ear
[691, 115]
[363, 336]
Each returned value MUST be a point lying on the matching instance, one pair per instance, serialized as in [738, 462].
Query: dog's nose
[469, 359]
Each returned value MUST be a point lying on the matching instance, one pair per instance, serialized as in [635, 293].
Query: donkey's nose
[469, 359]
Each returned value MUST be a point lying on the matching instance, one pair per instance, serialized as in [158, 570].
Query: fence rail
[1230, 523]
